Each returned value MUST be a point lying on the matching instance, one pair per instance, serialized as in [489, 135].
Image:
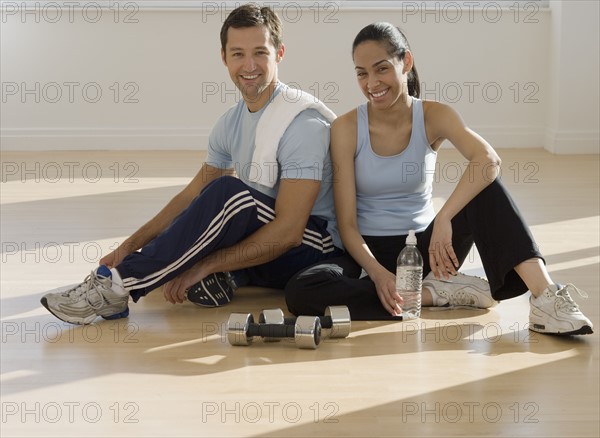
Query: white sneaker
[85, 302]
[555, 312]
[460, 290]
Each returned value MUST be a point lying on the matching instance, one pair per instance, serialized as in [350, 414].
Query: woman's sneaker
[555, 312]
[216, 290]
[93, 298]
[460, 291]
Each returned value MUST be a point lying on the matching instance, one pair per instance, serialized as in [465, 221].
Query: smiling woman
[379, 203]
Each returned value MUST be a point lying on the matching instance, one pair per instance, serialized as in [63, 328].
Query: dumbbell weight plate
[237, 328]
[271, 316]
[308, 332]
[335, 323]
[341, 324]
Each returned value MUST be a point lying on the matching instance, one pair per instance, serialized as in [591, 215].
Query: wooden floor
[169, 371]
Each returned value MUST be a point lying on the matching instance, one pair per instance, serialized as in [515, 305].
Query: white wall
[574, 107]
[167, 65]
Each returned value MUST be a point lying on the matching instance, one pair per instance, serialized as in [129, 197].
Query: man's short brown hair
[251, 15]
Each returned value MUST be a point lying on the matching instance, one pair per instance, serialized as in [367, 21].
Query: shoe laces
[459, 298]
[565, 301]
[91, 283]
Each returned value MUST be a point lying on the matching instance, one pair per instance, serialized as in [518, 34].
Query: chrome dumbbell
[306, 330]
[335, 323]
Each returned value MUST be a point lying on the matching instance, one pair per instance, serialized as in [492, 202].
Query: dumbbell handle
[272, 330]
[326, 321]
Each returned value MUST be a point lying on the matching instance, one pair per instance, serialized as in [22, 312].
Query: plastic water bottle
[409, 277]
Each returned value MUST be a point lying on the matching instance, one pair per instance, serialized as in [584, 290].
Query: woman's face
[381, 76]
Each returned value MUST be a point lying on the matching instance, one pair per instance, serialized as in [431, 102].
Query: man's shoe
[216, 290]
[555, 312]
[460, 290]
[85, 302]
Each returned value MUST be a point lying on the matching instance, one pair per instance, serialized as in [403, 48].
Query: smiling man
[224, 230]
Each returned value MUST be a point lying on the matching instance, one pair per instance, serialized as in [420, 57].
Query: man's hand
[175, 291]
[115, 257]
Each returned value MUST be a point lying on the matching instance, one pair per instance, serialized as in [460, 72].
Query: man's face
[252, 62]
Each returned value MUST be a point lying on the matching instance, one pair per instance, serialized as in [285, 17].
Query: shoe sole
[208, 305]
[584, 330]
[82, 321]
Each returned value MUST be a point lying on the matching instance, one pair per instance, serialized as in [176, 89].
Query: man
[221, 231]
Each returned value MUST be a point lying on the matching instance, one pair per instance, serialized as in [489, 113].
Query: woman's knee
[294, 290]
[305, 291]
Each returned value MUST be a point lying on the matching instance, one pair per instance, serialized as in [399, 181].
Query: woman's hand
[442, 258]
[385, 282]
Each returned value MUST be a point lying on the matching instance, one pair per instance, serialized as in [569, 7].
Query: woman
[384, 156]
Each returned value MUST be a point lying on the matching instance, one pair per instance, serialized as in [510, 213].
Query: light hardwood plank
[169, 371]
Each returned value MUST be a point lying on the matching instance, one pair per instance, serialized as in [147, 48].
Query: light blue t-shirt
[303, 153]
[393, 193]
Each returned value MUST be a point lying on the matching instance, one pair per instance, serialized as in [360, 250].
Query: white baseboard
[572, 142]
[104, 139]
[513, 137]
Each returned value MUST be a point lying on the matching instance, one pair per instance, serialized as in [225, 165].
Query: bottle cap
[411, 239]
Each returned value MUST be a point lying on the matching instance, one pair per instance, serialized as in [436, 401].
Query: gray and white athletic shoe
[90, 299]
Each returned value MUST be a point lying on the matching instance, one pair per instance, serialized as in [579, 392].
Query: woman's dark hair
[251, 15]
[396, 45]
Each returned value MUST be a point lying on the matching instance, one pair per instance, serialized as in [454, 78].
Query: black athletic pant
[491, 221]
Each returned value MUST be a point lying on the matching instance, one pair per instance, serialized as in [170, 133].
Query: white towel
[272, 124]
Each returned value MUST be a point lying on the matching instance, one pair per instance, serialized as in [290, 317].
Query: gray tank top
[393, 193]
